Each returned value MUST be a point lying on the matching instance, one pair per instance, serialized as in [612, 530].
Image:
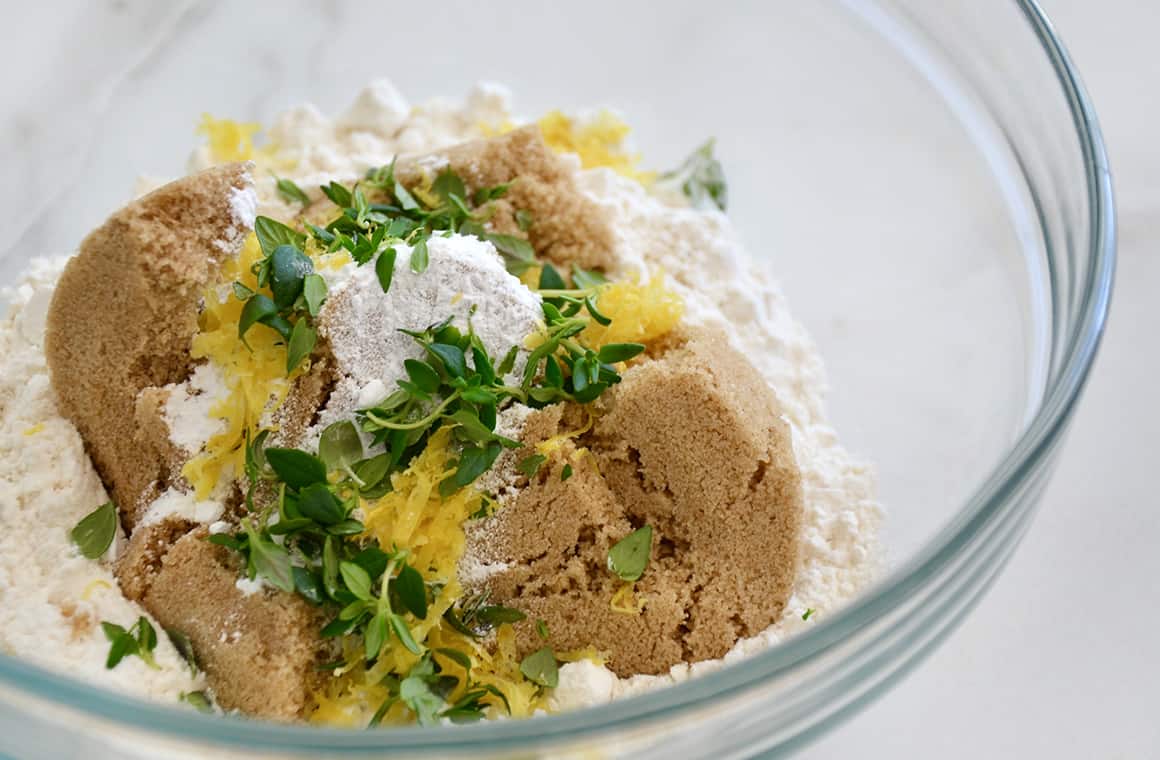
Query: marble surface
[1058, 661]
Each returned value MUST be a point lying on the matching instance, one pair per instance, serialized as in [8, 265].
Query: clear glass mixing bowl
[927, 178]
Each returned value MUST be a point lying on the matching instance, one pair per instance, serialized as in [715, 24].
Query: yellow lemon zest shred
[33, 429]
[598, 141]
[414, 516]
[93, 586]
[625, 601]
[640, 312]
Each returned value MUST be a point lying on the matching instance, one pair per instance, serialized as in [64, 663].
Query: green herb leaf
[530, 465]
[199, 700]
[540, 667]
[270, 561]
[542, 629]
[517, 252]
[412, 591]
[122, 644]
[375, 635]
[448, 184]
[406, 200]
[404, 633]
[806, 615]
[473, 462]
[416, 693]
[308, 585]
[340, 446]
[459, 658]
[524, 219]
[337, 194]
[419, 256]
[385, 268]
[372, 471]
[550, 279]
[493, 615]
[295, 468]
[422, 375]
[314, 291]
[451, 356]
[566, 472]
[619, 352]
[288, 269]
[184, 648]
[291, 193]
[701, 178]
[586, 279]
[258, 309]
[357, 580]
[271, 233]
[628, 557]
[146, 641]
[318, 503]
[95, 532]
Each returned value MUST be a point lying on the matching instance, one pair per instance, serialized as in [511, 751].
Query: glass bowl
[928, 181]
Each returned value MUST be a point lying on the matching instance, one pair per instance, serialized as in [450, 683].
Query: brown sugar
[567, 226]
[692, 444]
[260, 650]
[122, 318]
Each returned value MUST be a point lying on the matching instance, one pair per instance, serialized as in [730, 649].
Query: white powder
[184, 505]
[189, 404]
[465, 279]
[243, 210]
[53, 599]
[314, 149]
[249, 587]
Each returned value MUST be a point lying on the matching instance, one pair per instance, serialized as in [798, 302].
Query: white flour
[48, 482]
[187, 409]
[464, 279]
[53, 599]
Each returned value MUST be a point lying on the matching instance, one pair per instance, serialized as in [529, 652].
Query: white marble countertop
[1060, 659]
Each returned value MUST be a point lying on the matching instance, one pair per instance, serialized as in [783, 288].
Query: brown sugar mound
[259, 651]
[567, 226]
[122, 318]
[692, 444]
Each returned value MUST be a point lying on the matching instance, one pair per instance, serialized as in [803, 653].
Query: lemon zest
[640, 312]
[414, 516]
[599, 141]
[626, 602]
[93, 586]
[33, 429]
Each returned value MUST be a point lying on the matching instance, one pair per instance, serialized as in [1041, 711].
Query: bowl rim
[1023, 460]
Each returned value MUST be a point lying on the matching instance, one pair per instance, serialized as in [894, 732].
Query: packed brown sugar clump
[121, 320]
[567, 227]
[692, 444]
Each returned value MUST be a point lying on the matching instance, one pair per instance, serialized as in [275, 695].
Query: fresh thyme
[628, 557]
[139, 640]
[701, 179]
[375, 215]
[540, 667]
[95, 531]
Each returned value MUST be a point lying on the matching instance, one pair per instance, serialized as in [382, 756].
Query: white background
[1062, 658]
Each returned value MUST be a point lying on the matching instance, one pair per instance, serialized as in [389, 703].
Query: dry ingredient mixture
[596, 462]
